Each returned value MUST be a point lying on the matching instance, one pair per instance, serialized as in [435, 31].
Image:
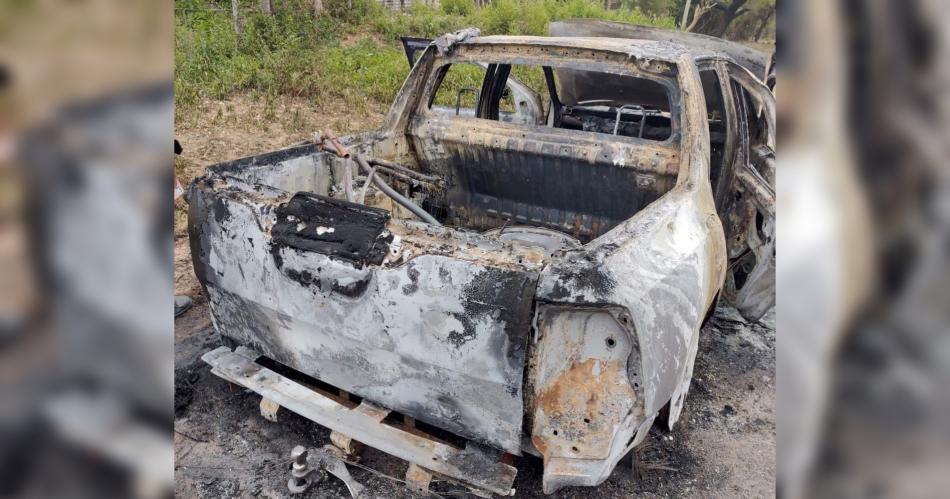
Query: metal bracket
[331, 460]
[418, 479]
[351, 448]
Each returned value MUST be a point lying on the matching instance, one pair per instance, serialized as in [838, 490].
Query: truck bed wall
[580, 183]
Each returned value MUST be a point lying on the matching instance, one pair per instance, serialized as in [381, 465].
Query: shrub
[458, 7]
[499, 17]
[364, 73]
[291, 53]
[419, 20]
[354, 11]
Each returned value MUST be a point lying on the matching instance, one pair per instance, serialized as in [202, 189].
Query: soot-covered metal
[348, 231]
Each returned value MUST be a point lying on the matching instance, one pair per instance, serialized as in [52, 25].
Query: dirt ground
[722, 446]
[241, 126]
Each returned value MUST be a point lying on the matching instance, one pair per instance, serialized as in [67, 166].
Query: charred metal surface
[663, 267]
[755, 61]
[348, 231]
[615, 255]
[549, 240]
[414, 46]
[750, 216]
[486, 164]
[438, 331]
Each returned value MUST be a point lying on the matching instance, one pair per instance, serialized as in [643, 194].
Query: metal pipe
[397, 174]
[399, 198]
[348, 182]
[628, 106]
[341, 150]
[685, 15]
[394, 173]
[369, 180]
[403, 169]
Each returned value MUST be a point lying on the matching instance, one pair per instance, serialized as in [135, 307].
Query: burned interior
[574, 158]
[522, 263]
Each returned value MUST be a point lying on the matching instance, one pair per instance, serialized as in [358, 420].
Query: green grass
[294, 54]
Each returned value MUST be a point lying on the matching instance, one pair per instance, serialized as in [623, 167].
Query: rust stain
[540, 444]
[582, 404]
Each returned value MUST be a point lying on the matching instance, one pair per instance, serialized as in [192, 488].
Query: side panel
[662, 269]
[436, 336]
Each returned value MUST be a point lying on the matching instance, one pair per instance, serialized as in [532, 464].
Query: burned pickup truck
[501, 270]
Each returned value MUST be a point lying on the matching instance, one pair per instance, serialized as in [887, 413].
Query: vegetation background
[350, 50]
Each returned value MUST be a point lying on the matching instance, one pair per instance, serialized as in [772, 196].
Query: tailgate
[427, 321]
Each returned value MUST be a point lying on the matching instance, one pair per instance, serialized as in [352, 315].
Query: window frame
[734, 131]
[501, 55]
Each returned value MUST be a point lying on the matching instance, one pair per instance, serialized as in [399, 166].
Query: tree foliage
[734, 19]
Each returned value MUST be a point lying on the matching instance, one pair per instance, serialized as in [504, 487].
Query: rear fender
[618, 328]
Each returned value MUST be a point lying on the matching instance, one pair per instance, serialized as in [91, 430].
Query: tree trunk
[716, 17]
[734, 10]
[685, 15]
[238, 25]
[701, 9]
[317, 8]
[763, 23]
[266, 7]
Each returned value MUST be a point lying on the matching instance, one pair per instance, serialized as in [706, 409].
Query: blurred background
[863, 246]
[86, 129]
[87, 121]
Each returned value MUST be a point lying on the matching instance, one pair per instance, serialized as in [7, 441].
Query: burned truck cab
[547, 302]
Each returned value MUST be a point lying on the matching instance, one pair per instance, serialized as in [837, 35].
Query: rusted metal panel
[418, 479]
[585, 385]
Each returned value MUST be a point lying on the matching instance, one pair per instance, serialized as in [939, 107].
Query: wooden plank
[475, 465]
[269, 409]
